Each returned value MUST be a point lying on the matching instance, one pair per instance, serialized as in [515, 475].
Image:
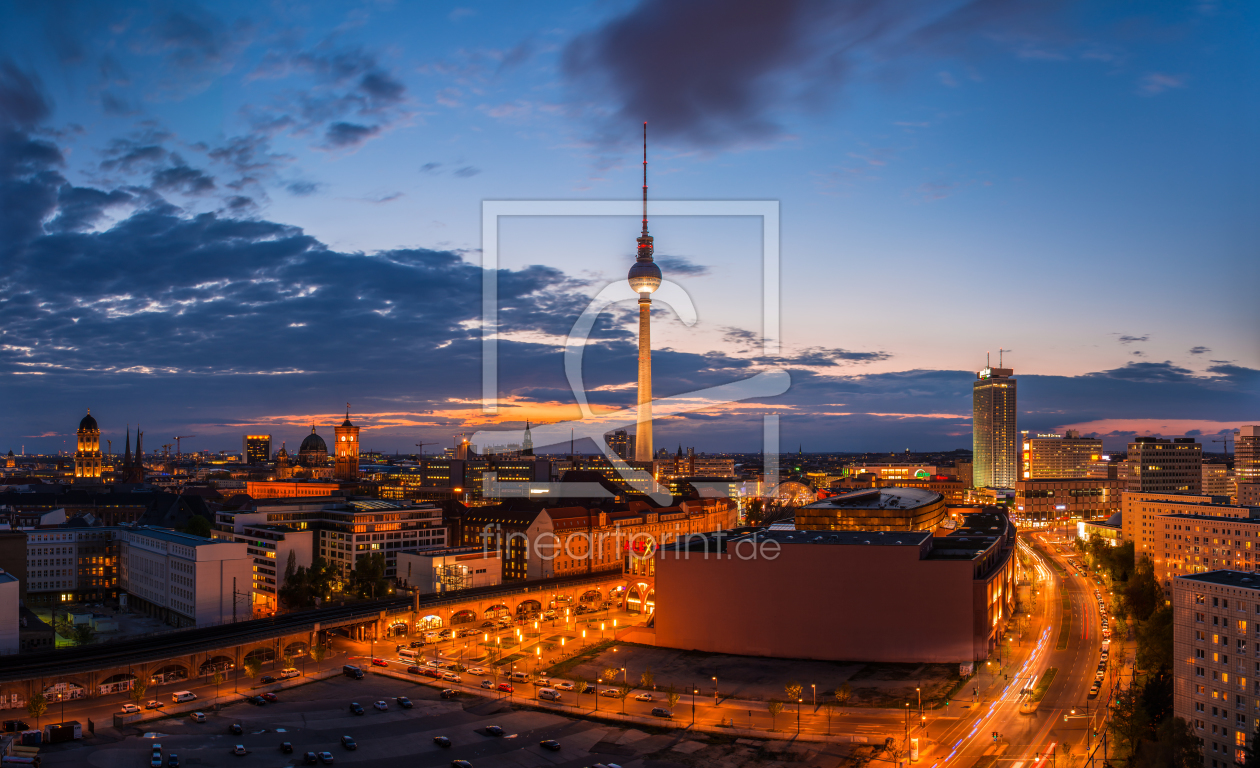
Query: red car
[269, 696]
[506, 688]
[429, 672]
[380, 663]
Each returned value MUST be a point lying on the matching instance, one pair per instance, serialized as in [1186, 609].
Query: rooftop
[438, 550]
[1226, 578]
[879, 498]
[175, 537]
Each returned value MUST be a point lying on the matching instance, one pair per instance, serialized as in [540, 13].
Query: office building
[993, 434]
[1217, 480]
[270, 546]
[346, 452]
[449, 569]
[187, 581]
[1213, 614]
[289, 489]
[1048, 455]
[256, 449]
[70, 564]
[1248, 494]
[875, 509]
[622, 444]
[1160, 465]
[1247, 454]
[954, 594]
[87, 455]
[893, 472]
[1048, 502]
[10, 610]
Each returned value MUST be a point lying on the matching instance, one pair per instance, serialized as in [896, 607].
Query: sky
[238, 217]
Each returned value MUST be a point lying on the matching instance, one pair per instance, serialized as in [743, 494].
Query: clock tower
[346, 450]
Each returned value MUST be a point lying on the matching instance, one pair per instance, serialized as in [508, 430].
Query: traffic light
[995, 735]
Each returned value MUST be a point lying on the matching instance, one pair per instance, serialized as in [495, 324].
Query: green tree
[623, 692]
[1157, 698]
[843, 694]
[1129, 720]
[367, 580]
[318, 651]
[579, 685]
[36, 706]
[610, 674]
[217, 680]
[1177, 746]
[1155, 641]
[139, 688]
[82, 634]
[647, 680]
[793, 690]
[775, 706]
[672, 696]
[252, 667]
[197, 526]
[1142, 594]
[1251, 752]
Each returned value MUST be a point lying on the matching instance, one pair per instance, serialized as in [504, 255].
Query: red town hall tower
[346, 452]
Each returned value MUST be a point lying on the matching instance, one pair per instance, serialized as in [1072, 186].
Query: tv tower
[644, 278]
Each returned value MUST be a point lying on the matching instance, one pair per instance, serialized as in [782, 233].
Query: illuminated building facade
[875, 509]
[1046, 502]
[995, 462]
[1160, 465]
[87, 456]
[1045, 456]
[346, 440]
[256, 449]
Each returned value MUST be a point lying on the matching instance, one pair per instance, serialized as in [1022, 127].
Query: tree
[1176, 746]
[1251, 752]
[843, 694]
[367, 580]
[623, 692]
[1157, 698]
[579, 686]
[647, 680]
[318, 651]
[217, 680]
[775, 706]
[672, 696]
[82, 634]
[1142, 595]
[252, 666]
[36, 706]
[290, 567]
[1155, 641]
[1129, 721]
[139, 687]
[793, 690]
[197, 526]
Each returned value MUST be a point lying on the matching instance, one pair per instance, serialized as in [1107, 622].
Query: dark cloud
[1132, 339]
[430, 167]
[1164, 371]
[302, 188]
[349, 134]
[191, 39]
[467, 171]
[79, 208]
[1199, 350]
[22, 101]
[681, 265]
[182, 178]
[720, 72]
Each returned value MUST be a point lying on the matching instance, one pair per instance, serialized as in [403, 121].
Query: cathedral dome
[88, 424]
[313, 444]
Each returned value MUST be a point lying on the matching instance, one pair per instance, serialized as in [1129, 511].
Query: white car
[643, 697]
[563, 685]
[476, 671]
[239, 749]
[487, 683]
[382, 706]
[451, 677]
[609, 692]
[130, 709]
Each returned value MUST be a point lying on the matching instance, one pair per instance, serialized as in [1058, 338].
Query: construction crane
[166, 450]
[422, 445]
[1227, 439]
[178, 452]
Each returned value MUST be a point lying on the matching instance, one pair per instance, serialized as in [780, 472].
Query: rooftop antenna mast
[1000, 351]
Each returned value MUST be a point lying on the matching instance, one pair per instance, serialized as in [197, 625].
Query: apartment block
[66, 565]
[185, 580]
[448, 569]
[1216, 652]
[1217, 480]
[1161, 465]
[270, 546]
[1139, 511]
[1247, 454]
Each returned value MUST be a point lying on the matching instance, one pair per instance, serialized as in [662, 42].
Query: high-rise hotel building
[996, 463]
[1047, 456]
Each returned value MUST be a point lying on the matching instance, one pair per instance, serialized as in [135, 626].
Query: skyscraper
[644, 278]
[256, 449]
[994, 456]
[1247, 454]
[1045, 456]
[1160, 465]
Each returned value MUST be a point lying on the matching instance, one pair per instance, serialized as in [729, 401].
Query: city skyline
[267, 223]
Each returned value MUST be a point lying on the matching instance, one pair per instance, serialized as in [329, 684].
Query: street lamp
[694, 692]
[798, 717]
[598, 682]
[814, 689]
[715, 692]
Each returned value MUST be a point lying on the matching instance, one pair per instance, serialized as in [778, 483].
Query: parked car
[268, 696]
[609, 692]
[239, 749]
[449, 693]
[172, 761]
[156, 761]
[442, 741]
[506, 687]
[461, 764]
[661, 712]
[236, 729]
[487, 684]
[310, 758]
[153, 704]
[643, 697]
[403, 702]
[381, 705]
[451, 677]
[348, 742]
[326, 758]
[431, 672]
[356, 709]
[417, 643]
[265, 679]
[588, 688]
[286, 747]
[380, 663]
[487, 624]
[563, 685]
[494, 730]
[415, 670]
[130, 709]
[551, 744]
[476, 671]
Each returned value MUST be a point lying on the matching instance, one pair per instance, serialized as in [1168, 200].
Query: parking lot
[314, 718]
